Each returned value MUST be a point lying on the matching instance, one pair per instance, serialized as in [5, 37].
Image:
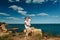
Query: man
[3, 27]
[27, 25]
[4, 30]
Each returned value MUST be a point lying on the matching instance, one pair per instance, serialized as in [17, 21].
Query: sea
[46, 28]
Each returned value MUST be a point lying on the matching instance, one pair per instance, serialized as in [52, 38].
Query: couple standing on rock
[27, 25]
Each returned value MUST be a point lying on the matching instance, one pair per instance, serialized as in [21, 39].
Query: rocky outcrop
[35, 32]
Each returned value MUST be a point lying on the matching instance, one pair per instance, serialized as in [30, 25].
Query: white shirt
[28, 23]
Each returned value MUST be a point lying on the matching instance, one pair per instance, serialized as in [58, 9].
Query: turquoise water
[51, 28]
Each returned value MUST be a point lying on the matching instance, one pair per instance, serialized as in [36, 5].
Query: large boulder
[35, 32]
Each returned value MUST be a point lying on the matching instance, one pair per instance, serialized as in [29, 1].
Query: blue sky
[41, 11]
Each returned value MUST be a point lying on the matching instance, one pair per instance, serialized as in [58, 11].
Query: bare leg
[27, 32]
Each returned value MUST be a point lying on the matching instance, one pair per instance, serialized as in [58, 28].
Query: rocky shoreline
[36, 35]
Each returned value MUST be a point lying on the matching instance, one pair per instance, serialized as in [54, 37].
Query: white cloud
[13, 18]
[11, 1]
[55, 2]
[28, 1]
[18, 9]
[14, 7]
[38, 1]
[4, 14]
[34, 1]
[22, 12]
[43, 14]
[14, 0]
[17, 0]
[55, 16]
[31, 14]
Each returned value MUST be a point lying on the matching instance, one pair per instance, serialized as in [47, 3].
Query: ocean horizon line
[34, 23]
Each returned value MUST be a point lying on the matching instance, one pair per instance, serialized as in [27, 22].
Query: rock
[35, 32]
[3, 34]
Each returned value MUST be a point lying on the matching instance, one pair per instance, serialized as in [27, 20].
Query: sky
[40, 11]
